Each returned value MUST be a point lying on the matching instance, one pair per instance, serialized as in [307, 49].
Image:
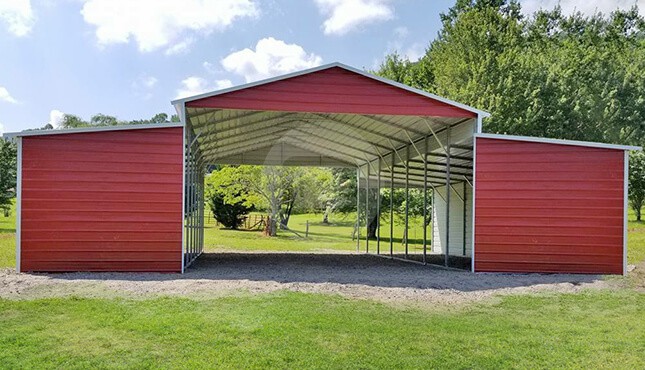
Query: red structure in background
[102, 201]
[544, 207]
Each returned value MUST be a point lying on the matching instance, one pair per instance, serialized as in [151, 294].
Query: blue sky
[129, 58]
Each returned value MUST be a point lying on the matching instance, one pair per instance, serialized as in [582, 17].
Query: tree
[637, 182]
[7, 175]
[229, 215]
[103, 120]
[551, 75]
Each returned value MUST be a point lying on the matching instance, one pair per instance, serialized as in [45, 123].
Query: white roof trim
[327, 66]
[81, 130]
[557, 141]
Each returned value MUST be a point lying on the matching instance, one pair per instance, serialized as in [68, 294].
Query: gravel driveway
[350, 275]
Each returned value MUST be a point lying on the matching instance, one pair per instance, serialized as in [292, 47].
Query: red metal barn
[549, 206]
[131, 198]
[101, 201]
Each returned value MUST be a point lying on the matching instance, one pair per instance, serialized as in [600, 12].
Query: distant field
[337, 235]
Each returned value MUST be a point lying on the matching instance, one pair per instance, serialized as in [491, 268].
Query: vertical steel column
[392, 208]
[464, 214]
[432, 220]
[448, 191]
[425, 200]
[367, 209]
[358, 209]
[407, 198]
[378, 208]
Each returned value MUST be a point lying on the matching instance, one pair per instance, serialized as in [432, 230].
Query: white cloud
[270, 58]
[5, 96]
[154, 24]
[56, 118]
[586, 7]
[194, 85]
[415, 51]
[148, 81]
[346, 15]
[1, 129]
[181, 47]
[18, 15]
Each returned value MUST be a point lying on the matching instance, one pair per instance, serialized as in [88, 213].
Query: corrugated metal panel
[333, 90]
[548, 208]
[102, 201]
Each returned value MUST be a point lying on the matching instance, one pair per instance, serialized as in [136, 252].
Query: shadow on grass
[359, 269]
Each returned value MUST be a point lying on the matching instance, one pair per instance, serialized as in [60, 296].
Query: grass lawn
[8, 239]
[295, 330]
[337, 235]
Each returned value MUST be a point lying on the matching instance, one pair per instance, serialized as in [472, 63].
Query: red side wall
[548, 208]
[102, 201]
[333, 90]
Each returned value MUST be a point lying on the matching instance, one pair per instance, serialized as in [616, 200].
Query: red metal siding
[102, 201]
[333, 90]
[548, 208]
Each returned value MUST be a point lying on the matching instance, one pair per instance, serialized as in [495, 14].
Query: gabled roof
[352, 91]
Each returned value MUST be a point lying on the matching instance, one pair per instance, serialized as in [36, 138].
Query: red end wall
[548, 208]
[102, 201]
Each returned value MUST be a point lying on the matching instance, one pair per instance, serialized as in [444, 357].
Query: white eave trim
[480, 113]
[557, 141]
[82, 130]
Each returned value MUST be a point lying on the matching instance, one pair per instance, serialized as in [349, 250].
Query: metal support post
[425, 201]
[358, 209]
[392, 209]
[448, 191]
[367, 209]
[378, 208]
[407, 199]
[464, 220]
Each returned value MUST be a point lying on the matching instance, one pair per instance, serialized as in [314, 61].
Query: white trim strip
[474, 200]
[182, 118]
[82, 130]
[626, 207]
[557, 141]
[18, 203]
[328, 66]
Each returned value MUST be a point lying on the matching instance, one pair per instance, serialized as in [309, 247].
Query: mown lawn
[337, 235]
[295, 330]
[8, 239]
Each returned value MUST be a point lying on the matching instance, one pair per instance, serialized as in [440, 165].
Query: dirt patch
[350, 275]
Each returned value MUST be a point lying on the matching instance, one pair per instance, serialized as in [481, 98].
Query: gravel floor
[351, 275]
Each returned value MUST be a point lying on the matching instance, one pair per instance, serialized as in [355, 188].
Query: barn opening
[336, 116]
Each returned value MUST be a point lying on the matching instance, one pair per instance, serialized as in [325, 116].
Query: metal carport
[338, 116]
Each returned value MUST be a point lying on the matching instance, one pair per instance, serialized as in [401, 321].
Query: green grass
[8, 239]
[295, 330]
[337, 235]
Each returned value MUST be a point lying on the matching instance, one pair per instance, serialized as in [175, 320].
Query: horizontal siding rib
[548, 208]
[103, 201]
